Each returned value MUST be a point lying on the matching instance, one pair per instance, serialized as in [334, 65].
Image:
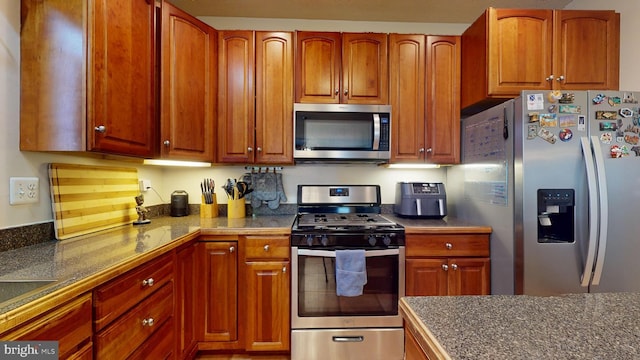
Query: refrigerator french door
[557, 176]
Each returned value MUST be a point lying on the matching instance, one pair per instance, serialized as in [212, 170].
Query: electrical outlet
[24, 190]
[144, 184]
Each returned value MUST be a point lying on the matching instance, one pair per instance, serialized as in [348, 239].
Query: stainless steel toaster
[420, 199]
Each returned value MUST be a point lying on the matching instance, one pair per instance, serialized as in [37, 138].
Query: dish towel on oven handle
[351, 272]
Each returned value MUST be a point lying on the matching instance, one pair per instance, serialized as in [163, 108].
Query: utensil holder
[209, 210]
[236, 208]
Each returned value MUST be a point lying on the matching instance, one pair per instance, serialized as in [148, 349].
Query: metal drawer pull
[147, 322]
[454, 266]
[266, 247]
[347, 338]
[445, 267]
[232, 249]
[148, 282]
[449, 246]
[284, 270]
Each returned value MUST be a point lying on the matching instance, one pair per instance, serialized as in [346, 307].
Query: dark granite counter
[69, 262]
[574, 326]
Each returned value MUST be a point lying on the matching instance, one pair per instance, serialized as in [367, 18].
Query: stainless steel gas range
[328, 322]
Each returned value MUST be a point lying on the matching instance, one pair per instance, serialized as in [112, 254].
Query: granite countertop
[70, 261]
[573, 326]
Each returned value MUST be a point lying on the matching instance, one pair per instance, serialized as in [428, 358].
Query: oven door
[315, 305]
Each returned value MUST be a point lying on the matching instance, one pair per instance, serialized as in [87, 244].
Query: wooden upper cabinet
[236, 96]
[443, 100]
[317, 67]
[424, 73]
[274, 97]
[601, 29]
[365, 69]
[341, 68]
[188, 87]
[97, 92]
[407, 93]
[121, 66]
[508, 50]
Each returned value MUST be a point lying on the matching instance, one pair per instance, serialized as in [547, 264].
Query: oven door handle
[332, 253]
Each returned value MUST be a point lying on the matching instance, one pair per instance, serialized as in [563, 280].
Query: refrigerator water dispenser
[556, 215]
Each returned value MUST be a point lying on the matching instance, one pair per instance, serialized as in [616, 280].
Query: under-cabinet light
[413, 166]
[161, 162]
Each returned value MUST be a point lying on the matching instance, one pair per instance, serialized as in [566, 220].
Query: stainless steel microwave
[341, 133]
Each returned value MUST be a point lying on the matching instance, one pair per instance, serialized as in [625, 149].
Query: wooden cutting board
[89, 198]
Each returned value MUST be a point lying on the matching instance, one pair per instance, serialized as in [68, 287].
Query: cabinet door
[186, 300]
[469, 276]
[365, 69]
[317, 67]
[426, 277]
[236, 108]
[188, 86]
[219, 266]
[582, 34]
[121, 87]
[407, 94]
[443, 100]
[274, 97]
[520, 50]
[268, 298]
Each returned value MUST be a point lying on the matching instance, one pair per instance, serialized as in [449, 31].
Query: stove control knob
[386, 240]
[324, 240]
[309, 240]
[372, 240]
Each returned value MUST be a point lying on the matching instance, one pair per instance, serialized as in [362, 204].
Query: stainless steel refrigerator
[557, 176]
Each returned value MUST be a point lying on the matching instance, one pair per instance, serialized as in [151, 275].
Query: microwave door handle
[376, 131]
[441, 206]
[329, 253]
[419, 207]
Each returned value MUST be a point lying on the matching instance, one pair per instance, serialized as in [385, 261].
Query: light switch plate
[24, 190]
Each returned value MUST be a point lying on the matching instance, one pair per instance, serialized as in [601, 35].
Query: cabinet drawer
[159, 346]
[260, 247]
[119, 295]
[447, 245]
[69, 324]
[135, 327]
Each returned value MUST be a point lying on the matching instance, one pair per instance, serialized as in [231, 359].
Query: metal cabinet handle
[337, 91]
[250, 149]
[148, 322]
[454, 266]
[421, 150]
[266, 247]
[148, 282]
[445, 267]
[346, 91]
[549, 78]
[101, 129]
[449, 246]
[429, 150]
[259, 149]
[232, 249]
[166, 143]
[284, 269]
[560, 78]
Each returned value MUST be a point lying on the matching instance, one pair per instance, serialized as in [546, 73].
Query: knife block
[236, 208]
[209, 210]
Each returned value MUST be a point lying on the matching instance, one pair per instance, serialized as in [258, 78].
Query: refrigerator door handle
[593, 212]
[604, 210]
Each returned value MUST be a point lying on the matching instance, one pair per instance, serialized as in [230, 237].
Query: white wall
[16, 163]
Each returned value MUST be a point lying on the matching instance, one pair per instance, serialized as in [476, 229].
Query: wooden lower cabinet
[451, 264]
[218, 307]
[267, 286]
[245, 299]
[186, 312]
[412, 350]
[69, 324]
